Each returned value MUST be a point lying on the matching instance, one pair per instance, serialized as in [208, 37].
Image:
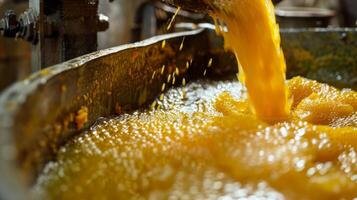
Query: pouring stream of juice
[254, 37]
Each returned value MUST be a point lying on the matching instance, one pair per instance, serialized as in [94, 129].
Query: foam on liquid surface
[205, 143]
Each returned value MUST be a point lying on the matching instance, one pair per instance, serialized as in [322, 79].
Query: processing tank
[37, 114]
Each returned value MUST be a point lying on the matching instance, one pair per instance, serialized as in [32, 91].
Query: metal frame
[66, 29]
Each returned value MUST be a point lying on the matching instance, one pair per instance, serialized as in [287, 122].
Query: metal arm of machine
[204, 6]
[24, 27]
[58, 29]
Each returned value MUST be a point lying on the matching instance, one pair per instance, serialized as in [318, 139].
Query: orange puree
[218, 142]
[208, 144]
[254, 37]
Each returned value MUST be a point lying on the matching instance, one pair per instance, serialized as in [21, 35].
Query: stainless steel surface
[303, 17]
[121, 15]
[303, 12]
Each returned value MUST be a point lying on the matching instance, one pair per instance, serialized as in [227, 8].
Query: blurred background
[121, 22]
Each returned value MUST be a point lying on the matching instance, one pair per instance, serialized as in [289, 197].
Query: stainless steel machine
[64, 29]
[35, 114]
[60, 30]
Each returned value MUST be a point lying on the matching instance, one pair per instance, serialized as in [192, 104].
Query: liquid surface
[211, 140]
[254, 37]
[205, 143]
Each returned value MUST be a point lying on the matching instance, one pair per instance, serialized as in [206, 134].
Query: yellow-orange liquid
[215, 143]
[254, 37]
[209, 145]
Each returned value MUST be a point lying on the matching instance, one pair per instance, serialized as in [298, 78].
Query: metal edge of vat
[50, 97]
